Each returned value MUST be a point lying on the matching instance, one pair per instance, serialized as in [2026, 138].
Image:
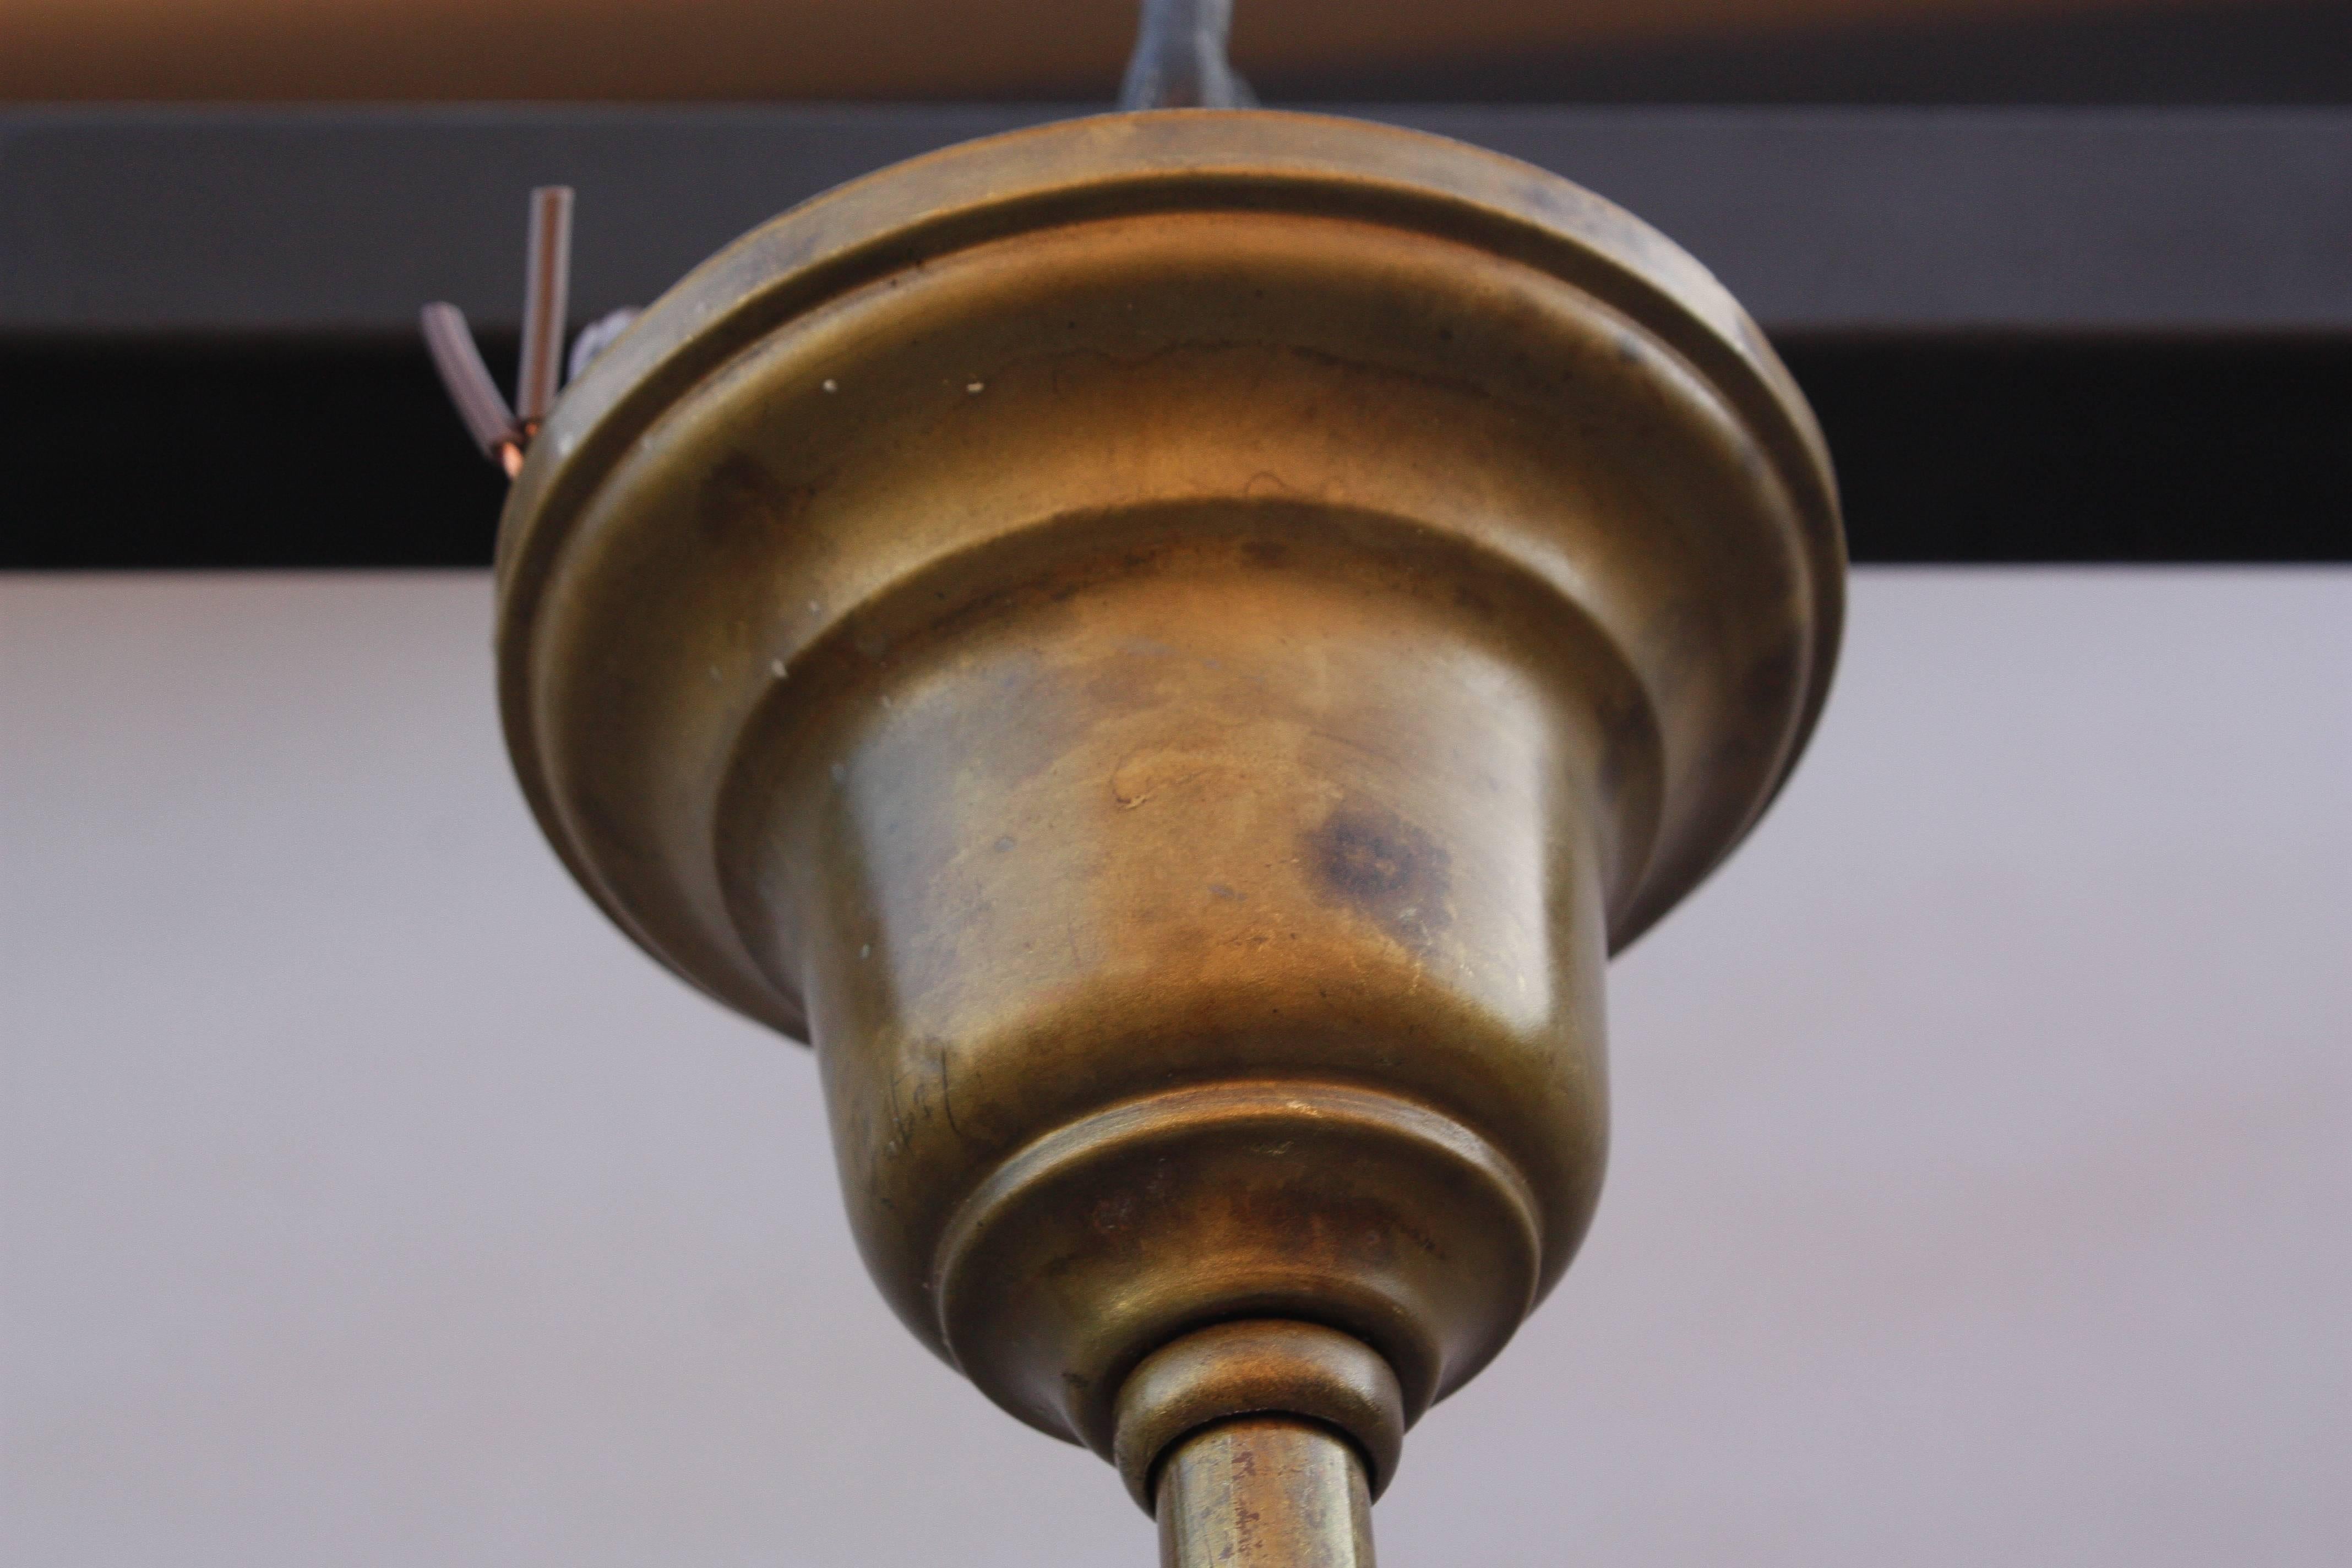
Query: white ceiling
[1984, 1149]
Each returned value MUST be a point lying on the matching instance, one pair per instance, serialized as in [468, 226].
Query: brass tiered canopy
[1170, 647]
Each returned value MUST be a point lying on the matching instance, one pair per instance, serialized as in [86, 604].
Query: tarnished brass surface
[1262, 1493]
[1248, 1368]
[1172, 648]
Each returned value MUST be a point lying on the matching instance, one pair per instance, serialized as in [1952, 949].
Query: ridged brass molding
[1171, 648]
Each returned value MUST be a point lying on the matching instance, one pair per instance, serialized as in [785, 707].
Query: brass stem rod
[1265, 1492]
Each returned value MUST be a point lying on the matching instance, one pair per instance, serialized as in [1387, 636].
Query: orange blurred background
[984, 50]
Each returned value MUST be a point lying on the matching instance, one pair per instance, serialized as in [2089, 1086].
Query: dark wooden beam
[2094, 335]
[302, 221]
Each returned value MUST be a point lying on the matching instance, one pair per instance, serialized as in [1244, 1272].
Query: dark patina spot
[1385, 868]
[741, 502]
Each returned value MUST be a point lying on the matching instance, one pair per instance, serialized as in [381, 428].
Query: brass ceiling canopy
[1172, 648]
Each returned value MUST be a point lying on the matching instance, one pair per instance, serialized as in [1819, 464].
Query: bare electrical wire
[547, 296]
[1180, 60]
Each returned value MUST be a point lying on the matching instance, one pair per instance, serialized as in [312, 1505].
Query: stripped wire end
[502, 433]
[480, 406]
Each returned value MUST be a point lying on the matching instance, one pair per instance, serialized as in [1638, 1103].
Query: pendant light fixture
[1170, 647]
